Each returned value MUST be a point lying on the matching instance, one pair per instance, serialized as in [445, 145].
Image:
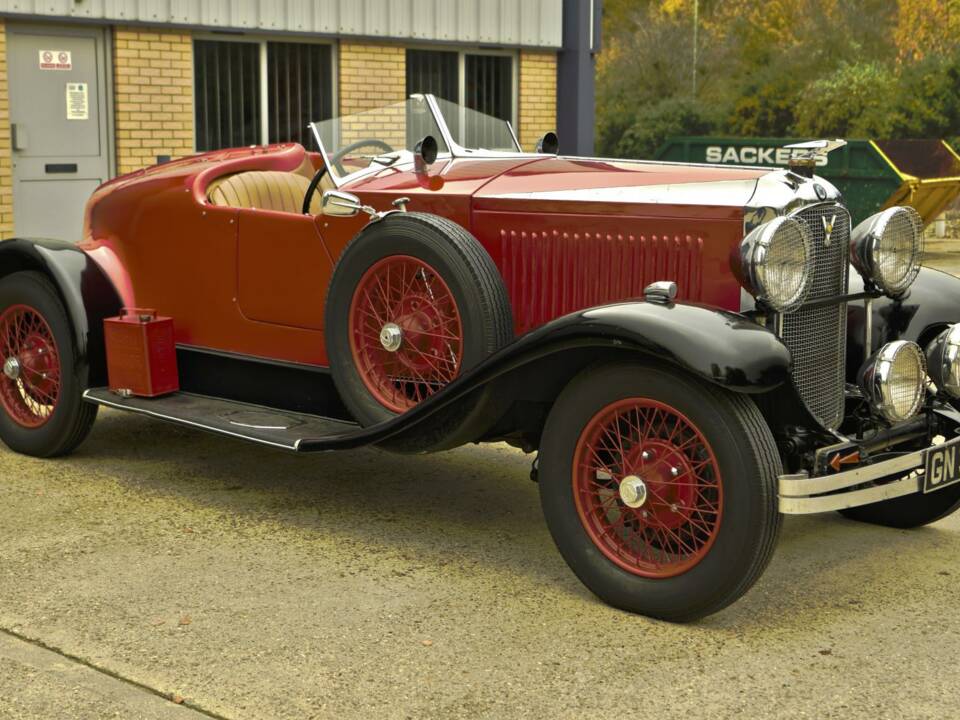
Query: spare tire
[415, 300]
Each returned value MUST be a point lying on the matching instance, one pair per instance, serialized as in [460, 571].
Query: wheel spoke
[408, 292]
[30, 399]
[676, 526]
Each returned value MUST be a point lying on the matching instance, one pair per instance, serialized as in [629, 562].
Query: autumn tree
[782, 68]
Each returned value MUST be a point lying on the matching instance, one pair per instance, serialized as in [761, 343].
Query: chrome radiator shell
[817, 336]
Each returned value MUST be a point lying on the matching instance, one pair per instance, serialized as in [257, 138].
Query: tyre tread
[744, 427]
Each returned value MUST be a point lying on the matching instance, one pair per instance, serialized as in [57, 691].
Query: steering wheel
[367, 142]
[335, 160]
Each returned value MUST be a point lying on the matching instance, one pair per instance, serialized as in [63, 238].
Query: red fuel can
[141, 354]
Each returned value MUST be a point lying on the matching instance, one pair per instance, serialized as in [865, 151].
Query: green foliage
[674, 116]
[782, 68]
[927, 102]
[856, 100]
[766, 107]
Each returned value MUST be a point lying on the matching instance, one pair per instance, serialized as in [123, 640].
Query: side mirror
[549, 144]
[340, 204]
[425, 153]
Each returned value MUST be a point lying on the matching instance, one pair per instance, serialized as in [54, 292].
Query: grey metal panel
[488, 20]
[509, 22]
[444, 15]
[530, 23]
[535, 23]
[326, 16]
[376, 17]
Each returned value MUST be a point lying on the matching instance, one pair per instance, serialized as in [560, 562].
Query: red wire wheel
[30, 382]
[647, 488]
[406, 335]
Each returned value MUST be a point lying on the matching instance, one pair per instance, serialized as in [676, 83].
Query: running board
[278, 428]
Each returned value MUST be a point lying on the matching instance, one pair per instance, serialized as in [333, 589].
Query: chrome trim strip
[727, 193]
[840, 501]
[802, 485]
[441, 124]
[800, 494]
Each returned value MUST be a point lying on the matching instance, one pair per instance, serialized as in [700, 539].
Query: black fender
[87, 293]
[721, 347]
[931, 303]
[718, 346]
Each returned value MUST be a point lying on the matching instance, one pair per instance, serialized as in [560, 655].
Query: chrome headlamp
[943, 361]
[774, 263]
[887, 249]
[893, 380]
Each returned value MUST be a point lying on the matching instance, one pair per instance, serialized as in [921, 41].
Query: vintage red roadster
[691, 351]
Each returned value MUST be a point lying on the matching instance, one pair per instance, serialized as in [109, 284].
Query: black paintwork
[86, 291]
[281, 385]
[719, 346]
[931, 303]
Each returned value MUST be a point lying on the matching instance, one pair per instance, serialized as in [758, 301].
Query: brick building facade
[164, 90]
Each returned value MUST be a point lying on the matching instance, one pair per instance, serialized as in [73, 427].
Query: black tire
[910, 511]
[71, 419]
[469, 273]
[748, 462]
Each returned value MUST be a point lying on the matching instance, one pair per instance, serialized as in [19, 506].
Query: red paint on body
[254, 282]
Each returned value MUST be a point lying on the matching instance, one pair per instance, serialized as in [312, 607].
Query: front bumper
[801, 494]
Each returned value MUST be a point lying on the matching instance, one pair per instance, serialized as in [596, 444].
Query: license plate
[941, 466]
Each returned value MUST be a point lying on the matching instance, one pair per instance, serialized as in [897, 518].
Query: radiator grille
[816, 337]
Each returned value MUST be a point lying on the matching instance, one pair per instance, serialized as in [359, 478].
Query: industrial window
[227, 80]
[434, 71]
[479, 81]
[250, 93]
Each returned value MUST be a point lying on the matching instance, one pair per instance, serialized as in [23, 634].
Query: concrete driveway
[162, 563]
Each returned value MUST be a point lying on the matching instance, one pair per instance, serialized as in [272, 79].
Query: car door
[283, 268]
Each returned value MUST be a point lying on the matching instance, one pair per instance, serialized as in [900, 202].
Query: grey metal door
[59, 126]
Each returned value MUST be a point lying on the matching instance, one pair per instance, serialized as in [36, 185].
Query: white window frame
[262, 41]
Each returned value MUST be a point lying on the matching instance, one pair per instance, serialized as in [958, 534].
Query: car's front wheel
[42, 411]
[659, 490]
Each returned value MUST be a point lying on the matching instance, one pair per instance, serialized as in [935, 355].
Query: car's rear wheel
[42, 412]
[659, 490]
[414, 301]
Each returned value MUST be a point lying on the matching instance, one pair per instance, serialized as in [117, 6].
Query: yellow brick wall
[372, 76]
[538, 96]
[153, 95]
[6, 169]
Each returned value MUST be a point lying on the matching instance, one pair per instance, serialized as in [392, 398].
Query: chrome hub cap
[633, 491]
[11, 368]
[391, 336]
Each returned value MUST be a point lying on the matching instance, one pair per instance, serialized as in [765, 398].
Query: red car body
[261, 277]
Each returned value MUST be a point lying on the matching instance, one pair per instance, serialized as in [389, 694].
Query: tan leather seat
[266, 190]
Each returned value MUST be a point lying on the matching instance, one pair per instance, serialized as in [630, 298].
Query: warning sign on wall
[78, 107]
[56, 60]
